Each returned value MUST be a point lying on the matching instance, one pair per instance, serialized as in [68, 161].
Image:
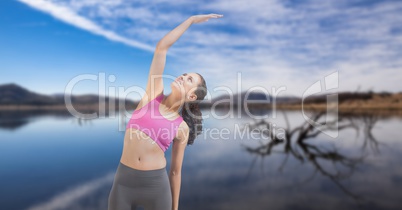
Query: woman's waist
[143, 155]
[143, 162]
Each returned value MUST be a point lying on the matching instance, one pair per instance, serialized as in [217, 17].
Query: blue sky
[273, 43]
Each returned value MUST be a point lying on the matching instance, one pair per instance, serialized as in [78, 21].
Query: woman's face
[186, 84]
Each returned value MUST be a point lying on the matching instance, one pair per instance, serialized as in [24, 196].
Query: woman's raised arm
[155, 80]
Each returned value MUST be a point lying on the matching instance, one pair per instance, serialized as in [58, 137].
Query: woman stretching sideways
[141, 178]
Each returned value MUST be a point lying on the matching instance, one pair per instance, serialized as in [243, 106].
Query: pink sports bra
[149, 120]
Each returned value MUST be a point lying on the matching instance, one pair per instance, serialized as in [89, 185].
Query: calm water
[50, 161]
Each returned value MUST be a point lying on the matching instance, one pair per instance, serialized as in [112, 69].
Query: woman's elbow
[175, 172]
[161, 46]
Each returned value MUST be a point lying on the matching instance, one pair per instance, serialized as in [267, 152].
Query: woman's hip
[142, 179]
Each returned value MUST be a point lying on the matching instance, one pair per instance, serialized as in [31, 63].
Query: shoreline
[342, 108]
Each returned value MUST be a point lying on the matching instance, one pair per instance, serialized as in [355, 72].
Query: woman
[141, 178]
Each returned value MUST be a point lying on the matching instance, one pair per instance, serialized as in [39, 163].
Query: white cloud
[272, 43]
[67, 15]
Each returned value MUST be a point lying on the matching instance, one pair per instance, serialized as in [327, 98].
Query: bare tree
[296, 144]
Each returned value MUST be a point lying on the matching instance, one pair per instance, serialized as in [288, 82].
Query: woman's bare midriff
[141, 152]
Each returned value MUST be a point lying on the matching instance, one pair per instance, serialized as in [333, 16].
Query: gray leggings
[132, 188]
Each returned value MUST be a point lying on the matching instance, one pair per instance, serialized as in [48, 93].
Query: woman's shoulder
[183, 125]
[150, 97]
[145, 100]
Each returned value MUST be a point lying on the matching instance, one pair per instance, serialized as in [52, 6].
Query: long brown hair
[191, 112]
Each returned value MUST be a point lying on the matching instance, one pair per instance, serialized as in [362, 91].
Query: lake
[56, 161]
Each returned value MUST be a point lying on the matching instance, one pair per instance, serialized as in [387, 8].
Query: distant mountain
[345, 96]
[13, 94]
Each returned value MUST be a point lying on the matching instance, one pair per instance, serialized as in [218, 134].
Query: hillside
[13, 95]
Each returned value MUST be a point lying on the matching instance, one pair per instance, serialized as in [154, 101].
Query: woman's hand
[204, 18]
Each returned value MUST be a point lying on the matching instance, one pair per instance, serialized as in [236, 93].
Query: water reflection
[298, 142]
[14, 120]
[50, 162]
[73, 198]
